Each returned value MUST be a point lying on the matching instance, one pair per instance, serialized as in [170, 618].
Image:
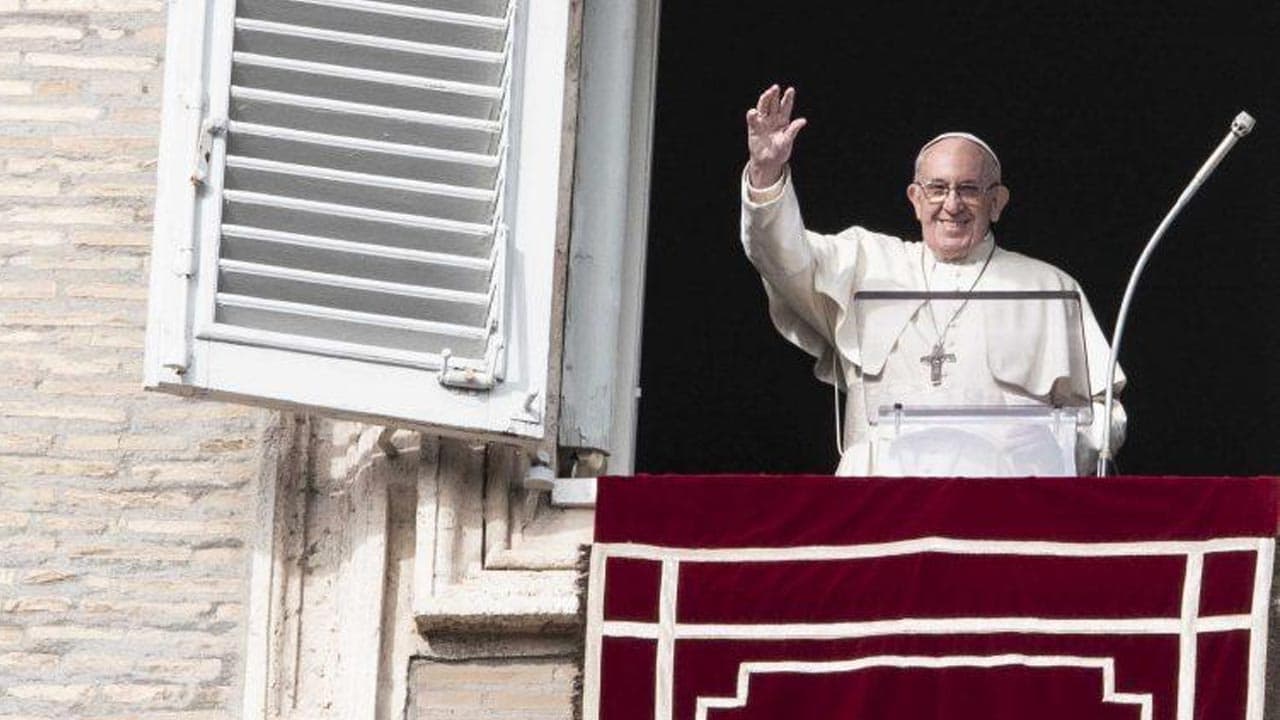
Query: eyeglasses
[936, 191]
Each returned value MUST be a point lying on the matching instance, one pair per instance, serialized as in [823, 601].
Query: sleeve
[1099, 354]
[793, 263]
[1091, 437]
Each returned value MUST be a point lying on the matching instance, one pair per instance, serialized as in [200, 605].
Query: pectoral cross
[935, 360]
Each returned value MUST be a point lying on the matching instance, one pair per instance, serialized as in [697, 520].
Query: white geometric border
[1186, 625]
[747, 669]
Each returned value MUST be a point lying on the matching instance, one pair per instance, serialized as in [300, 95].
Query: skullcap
[966, 136]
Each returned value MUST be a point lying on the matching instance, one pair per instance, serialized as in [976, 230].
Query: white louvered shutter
[370, 208]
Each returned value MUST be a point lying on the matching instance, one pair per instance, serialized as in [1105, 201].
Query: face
[952, 228]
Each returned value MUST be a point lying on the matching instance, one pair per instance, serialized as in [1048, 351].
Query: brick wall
[498, 689]
[123, 515]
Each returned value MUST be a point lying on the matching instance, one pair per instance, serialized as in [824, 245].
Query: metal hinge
[464, 377]
[209, 129]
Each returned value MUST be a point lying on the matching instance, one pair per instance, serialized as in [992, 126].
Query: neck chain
[938, 356]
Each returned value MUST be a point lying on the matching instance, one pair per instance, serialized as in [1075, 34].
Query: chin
[951, 249]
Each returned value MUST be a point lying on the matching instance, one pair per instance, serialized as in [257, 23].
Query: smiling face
[952, 228]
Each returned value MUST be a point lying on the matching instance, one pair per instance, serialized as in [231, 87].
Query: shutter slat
[471, 299]
[401, 22]
[366, 122]
[394, 265]
[260, 211]
[349, 90]
[362, 190]
[363, 156]
[376, 111]
[368, 250]
[462, 332]
[492, 8]
[259, 37]
[356, 85]
[369, 352]
[345, 325]
[421, 11]
[350, 293]
[381, 181]
[351, 143]
[483, 94]
[324, 208]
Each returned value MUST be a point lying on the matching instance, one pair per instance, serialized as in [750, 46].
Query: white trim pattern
[664, 677]
[1186, 626]
[1106, 665]
[957, 546]
[1262, 569]
[1187, 637]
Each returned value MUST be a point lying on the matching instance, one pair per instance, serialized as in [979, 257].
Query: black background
[1101, 113]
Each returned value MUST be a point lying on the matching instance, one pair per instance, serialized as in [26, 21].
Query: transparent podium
[986, 384]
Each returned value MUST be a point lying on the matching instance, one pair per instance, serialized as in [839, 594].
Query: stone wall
[123, 515]
[502, 688]
[127, 519]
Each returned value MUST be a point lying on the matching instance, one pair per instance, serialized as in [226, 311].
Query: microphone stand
[1240, 127]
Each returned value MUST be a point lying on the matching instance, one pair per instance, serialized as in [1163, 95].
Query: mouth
[954, 223]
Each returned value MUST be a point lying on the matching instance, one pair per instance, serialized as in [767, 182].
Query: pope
[944, 351]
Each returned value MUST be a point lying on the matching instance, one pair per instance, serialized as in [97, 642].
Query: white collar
[976, 257]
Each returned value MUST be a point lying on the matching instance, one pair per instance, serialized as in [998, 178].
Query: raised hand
[770, 134]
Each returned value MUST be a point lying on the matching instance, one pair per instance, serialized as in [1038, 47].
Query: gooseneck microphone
[1240, 126]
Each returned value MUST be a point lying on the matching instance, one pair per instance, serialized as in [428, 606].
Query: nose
[952, 202]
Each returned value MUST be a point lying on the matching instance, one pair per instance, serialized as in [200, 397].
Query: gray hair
[993, 162]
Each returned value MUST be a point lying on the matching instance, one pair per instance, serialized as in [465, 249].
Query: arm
[771, 133]
[773, 233]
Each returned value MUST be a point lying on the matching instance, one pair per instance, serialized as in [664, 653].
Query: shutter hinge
[209, 129]
[463, 377]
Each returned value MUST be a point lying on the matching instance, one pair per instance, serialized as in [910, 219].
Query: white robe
[1005, 354]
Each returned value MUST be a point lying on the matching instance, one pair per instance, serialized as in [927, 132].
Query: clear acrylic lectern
[991, 384]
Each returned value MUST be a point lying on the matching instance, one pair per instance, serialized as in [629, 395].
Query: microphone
[1240, 126]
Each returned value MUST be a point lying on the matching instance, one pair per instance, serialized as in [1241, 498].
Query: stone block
[48, 113]
[17, 87]
[29, 467]
[12, 520]
[26, 663]
[28, 290]
[40, 32]
[21, 605]
[48, 577]
[76, 61]
[77, 215]
[50, 692]
[24, 443]
[107, 291]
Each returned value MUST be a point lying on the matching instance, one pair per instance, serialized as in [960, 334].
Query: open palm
[771, 133]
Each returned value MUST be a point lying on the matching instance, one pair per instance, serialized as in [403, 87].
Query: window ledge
[504, 601]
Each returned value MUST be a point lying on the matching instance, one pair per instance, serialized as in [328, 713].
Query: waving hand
[770, 135]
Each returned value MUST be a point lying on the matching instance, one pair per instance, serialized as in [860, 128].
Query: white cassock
[1002, 356]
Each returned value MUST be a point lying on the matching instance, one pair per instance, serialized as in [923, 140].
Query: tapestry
[751, 597]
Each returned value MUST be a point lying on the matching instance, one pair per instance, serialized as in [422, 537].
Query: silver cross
[935, 360]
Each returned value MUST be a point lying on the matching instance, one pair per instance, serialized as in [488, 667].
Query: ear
[998, 202]
[916, 197]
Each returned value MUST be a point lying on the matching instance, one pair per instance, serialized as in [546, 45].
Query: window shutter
[358, 191]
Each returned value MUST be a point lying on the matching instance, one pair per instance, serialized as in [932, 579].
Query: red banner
[736, 598]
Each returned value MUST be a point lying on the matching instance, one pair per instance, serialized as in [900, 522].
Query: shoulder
[868, 249]
[1026, 272]
[871, 242]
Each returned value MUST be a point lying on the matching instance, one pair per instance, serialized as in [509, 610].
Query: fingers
[768, 100]
[776, 106]
[794, 129]
[788, 101]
